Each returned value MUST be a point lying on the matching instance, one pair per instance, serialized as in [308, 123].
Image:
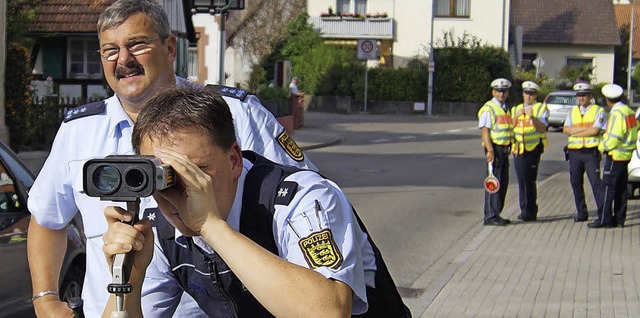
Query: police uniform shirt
[600, 122]
[293, 223]
[485, 117]
[56, 195]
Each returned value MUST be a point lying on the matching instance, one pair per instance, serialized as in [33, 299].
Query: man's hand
[122, 238]
[51, 306]
[195, 201]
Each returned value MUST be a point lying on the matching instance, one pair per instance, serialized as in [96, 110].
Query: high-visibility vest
[501, 132]
[587, 120]
[619, 140]
[525, 133]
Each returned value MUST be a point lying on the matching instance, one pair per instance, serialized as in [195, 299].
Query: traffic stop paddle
[491, 183]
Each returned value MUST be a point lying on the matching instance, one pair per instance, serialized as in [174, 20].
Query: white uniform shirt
[57, 195]
[161, 291]
[600, 122]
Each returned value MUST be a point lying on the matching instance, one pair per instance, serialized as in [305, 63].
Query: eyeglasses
[501, 90]
[135, 48]
[530, 92]
[582, 94]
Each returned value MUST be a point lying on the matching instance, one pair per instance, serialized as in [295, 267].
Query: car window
[562, 100]
[13, 224]
[18, 170]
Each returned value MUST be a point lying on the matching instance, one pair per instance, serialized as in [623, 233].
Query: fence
[42, 120]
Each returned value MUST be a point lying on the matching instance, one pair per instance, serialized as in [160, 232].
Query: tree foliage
[465, 67]
[263, 26]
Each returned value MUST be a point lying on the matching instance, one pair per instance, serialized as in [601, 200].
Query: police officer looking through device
[584, 125]
[496, 126]
[618, 143]
[298, 251]
[530, 134]
[137, 52]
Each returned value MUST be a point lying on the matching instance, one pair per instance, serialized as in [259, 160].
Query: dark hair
[121, 10]
[183, 108]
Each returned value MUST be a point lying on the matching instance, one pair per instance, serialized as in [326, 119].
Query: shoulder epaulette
[286, 192]
[85, 110]
[232, 92]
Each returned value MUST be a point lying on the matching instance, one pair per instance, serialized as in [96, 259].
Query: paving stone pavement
[553, 267]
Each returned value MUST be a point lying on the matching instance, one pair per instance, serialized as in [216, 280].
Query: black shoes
[598, 225]
[580, 218]
[527, 218]
[497, 221]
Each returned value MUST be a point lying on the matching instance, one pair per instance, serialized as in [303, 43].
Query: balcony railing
[353, 28]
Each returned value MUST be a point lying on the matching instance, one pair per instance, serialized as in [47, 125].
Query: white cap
[500, 83]
[582, 88]
[530, 87]
[612, 91]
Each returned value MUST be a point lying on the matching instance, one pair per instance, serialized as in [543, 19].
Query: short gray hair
[121, 10]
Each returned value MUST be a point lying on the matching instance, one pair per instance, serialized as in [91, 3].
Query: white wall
[555, 59]
[211, 57]
[489, 21]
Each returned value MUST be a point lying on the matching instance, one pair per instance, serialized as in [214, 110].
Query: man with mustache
[137, 52]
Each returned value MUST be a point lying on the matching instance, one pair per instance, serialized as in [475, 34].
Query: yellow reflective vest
[587, 120]
[501, 131]
[525, 133]
[619, 140]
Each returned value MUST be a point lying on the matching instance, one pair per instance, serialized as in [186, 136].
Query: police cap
[612, 91]
[501, 84]
[582, 88]
[530, 87]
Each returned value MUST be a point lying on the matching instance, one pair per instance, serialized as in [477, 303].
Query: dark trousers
[526, 165]
[494, 203]
[614, 182]
[581, 161]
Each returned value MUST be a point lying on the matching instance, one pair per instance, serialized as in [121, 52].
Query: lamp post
[432, 63]
[218, 7]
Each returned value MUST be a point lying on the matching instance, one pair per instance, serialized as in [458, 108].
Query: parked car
[16, 293]
[633, 168]
[559, 104]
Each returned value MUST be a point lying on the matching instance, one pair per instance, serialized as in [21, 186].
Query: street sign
[538, 62]
[367, 49]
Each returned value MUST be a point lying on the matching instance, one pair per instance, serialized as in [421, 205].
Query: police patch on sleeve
[320, 249]
[228, 91]
[290, 147]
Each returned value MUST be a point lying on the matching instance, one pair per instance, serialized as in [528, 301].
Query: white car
[634, 167]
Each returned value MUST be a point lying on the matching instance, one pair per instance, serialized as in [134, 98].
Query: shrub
[18, 97]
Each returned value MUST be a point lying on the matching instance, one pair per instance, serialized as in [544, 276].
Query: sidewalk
[549, 268]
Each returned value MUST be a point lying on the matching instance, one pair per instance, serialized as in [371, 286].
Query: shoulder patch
[84, 111]
[290, 146]
[232, 92]
[320, 249]
[286, 191]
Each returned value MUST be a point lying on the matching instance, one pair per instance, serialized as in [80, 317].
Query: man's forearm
[45, 250]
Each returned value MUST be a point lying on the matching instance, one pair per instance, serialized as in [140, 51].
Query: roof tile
[566, 21]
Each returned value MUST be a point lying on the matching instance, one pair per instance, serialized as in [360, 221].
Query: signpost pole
[366, 84]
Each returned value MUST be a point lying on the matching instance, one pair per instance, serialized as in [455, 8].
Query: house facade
[403, 27]
[567, 32]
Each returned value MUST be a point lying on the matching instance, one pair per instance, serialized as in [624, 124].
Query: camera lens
[106, 179]
[136, 179]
